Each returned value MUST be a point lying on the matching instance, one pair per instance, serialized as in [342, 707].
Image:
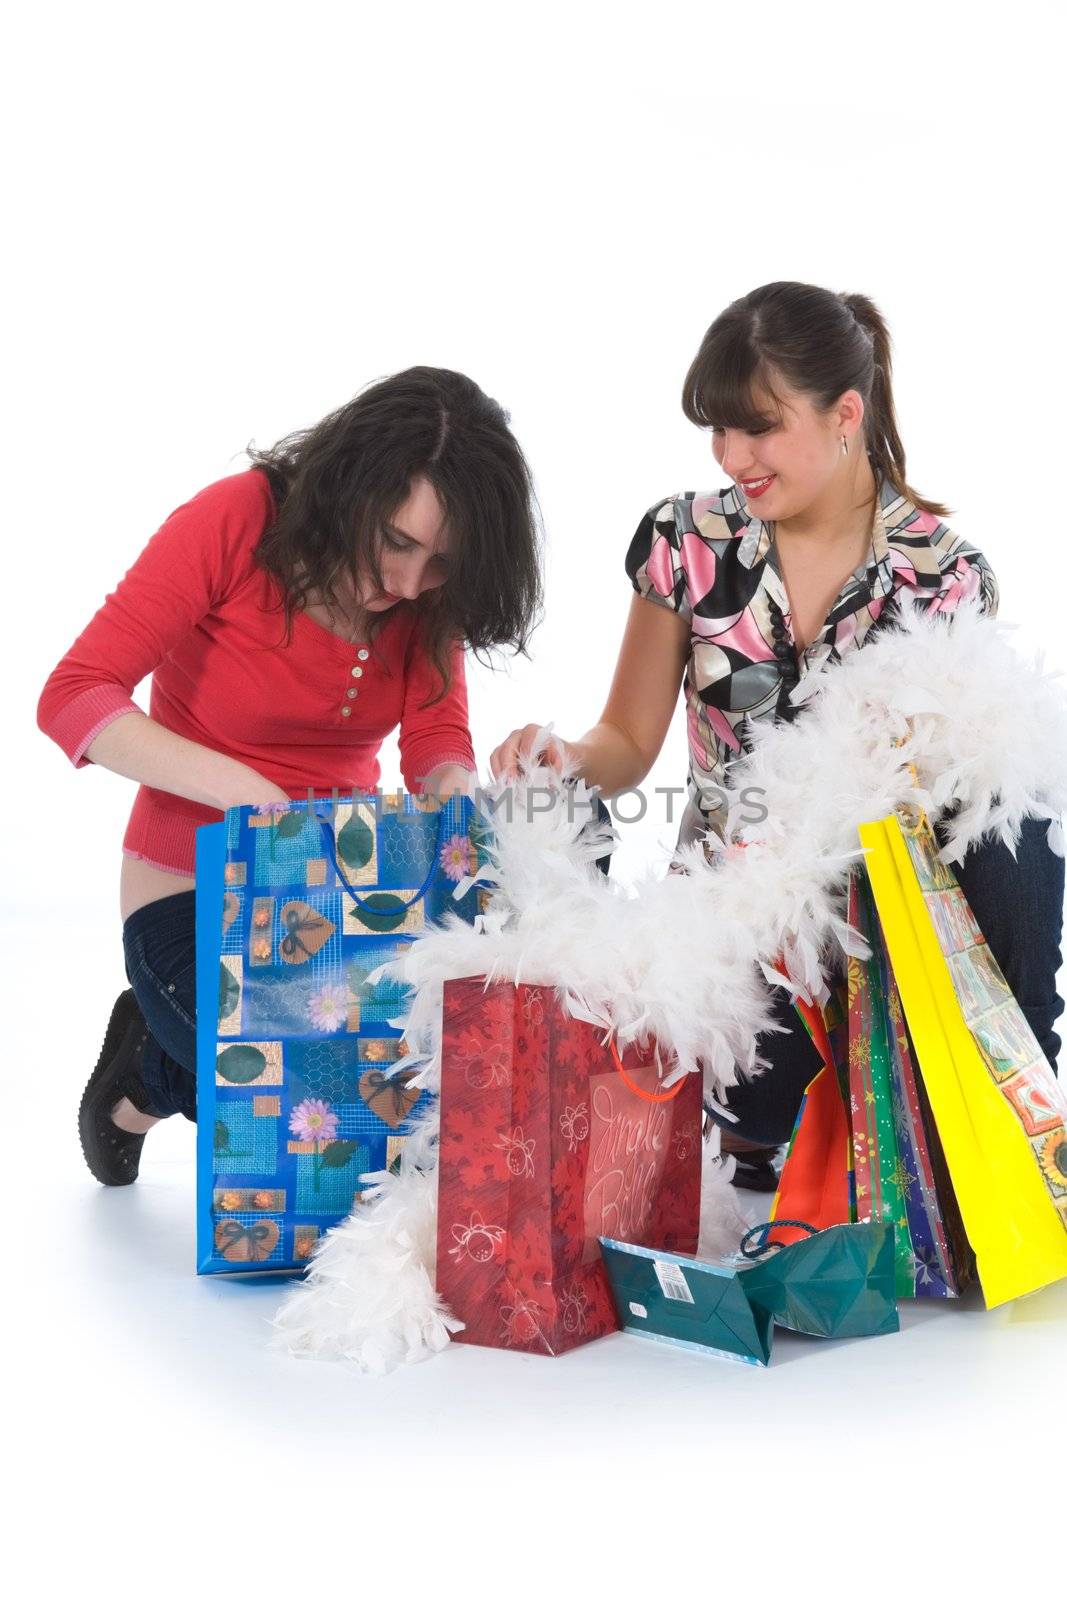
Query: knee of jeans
[131, 955]
[168, 1006]
[177, 993]
[762, 1110]
[1042, 1021]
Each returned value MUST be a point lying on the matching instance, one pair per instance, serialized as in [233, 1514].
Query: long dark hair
[822, 344]
[335, 485]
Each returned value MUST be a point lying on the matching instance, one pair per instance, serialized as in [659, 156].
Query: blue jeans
[1018, 904]
[159, 942]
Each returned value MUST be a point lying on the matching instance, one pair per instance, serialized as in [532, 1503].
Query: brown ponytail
[880, 429]
[822, 344]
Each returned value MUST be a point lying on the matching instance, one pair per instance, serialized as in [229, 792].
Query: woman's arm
[136, 747]
[187, 567]
[86, 705]
[435, 741]
[619, 751]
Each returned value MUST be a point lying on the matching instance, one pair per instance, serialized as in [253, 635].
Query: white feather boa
[683, 962]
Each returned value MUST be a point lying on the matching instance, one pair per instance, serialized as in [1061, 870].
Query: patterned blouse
[704, 557]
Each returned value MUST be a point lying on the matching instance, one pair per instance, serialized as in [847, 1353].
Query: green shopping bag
[898, 1167]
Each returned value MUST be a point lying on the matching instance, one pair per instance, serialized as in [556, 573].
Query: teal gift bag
[300, 1088]
[836, 1284]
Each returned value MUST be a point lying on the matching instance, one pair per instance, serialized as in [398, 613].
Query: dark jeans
[1018, 904]
[160, 947]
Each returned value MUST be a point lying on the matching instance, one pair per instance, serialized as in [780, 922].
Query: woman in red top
[291, 616]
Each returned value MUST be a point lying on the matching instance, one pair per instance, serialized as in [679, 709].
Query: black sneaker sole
[112, 1155]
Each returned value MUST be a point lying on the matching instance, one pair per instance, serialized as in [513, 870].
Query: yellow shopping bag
[999, 1113]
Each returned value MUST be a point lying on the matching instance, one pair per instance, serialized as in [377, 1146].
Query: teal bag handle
[330, 845]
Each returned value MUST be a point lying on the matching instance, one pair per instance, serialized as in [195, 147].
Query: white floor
[143, 1399]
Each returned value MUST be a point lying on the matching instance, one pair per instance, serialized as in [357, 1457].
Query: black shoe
[113, 1156]
[755, 1173]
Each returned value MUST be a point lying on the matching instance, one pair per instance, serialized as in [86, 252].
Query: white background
[224, 220]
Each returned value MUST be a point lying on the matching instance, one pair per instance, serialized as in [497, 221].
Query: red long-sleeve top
[202, 617]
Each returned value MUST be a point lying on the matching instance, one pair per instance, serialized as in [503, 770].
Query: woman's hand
[449, 779]
[504, 761]
[255, 790]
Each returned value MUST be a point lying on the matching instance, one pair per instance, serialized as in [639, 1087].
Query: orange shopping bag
[814, 1186]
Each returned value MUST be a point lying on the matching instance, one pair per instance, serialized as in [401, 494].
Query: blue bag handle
[756, 1242]
[330, 845]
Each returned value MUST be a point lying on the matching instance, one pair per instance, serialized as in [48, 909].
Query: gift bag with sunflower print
[999, 1112]
[301, 1087]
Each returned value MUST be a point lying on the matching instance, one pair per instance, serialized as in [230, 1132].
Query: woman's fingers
[504, 761]
[533, 732]
[552, 754]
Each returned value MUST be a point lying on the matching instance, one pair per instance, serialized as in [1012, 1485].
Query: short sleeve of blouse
[654, 559]
[965, 574]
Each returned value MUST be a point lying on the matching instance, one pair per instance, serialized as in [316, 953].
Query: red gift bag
[548, 1141]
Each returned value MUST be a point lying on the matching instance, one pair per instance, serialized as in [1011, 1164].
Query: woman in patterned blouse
[741, 593]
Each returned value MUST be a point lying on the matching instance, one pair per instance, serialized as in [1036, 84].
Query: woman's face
[413, 552]
[792, 464]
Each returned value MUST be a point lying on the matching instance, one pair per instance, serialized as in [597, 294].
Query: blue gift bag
[296, 1100]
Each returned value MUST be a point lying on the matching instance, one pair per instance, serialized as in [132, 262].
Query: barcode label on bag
[672, 1281]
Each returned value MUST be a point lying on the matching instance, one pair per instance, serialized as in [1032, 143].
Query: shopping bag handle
[760, 1243]
[642, 1094]
[330, 845]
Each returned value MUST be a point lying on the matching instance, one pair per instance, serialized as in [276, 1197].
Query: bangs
[729, 384]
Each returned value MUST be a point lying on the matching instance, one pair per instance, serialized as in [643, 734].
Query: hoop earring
[844, 444]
